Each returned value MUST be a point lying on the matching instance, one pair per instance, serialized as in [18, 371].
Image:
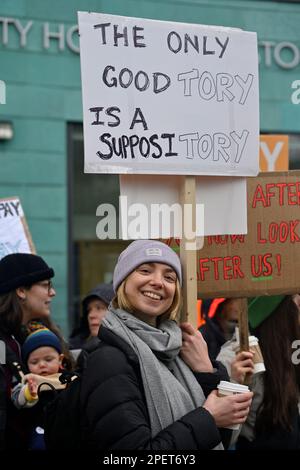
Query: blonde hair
[121, 301]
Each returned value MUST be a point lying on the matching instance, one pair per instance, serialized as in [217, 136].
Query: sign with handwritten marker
[14, 233]
[168, 98]
[266, 261]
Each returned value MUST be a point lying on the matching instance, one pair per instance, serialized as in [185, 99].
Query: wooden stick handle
[244, 333]
[188, 256]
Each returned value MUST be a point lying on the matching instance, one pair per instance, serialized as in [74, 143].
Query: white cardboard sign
[168, 98]
[14, 233]
[221, 206]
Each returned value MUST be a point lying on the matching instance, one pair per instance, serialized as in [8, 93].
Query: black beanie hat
[22, 269]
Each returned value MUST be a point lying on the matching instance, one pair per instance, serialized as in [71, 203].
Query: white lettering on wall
[59, 35]
[23, 30]
[2, 92]
[71, 31]
[50, 32]
[272, 53]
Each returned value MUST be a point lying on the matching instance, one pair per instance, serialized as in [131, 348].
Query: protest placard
[165, 98]
[266, 261]
[14, 233]
[168, 98]
[221, 206]
[274, 152]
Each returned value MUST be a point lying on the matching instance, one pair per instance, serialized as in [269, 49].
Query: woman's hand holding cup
[228, 411]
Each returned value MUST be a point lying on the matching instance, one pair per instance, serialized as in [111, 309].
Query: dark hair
[10, 314]
[282, 378]
[219, 310]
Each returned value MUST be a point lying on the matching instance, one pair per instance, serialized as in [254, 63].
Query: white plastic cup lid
[259, 367]
[253, 341]
[232, 387]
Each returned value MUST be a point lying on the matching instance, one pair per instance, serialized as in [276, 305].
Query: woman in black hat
[26, 293]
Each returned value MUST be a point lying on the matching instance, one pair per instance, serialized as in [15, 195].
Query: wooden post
[188, 252]
[244, 332]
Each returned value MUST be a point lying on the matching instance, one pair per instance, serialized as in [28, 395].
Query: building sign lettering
[285, 54]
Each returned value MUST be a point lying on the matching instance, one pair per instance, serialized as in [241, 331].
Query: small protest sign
[14, 233]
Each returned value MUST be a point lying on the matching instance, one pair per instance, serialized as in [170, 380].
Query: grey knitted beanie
[144, 251]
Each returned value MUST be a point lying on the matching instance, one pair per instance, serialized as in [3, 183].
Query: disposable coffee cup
[254, 347]
[258, 359]
[229, 388]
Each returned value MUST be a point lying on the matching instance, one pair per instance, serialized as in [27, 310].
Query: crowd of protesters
[151, 382]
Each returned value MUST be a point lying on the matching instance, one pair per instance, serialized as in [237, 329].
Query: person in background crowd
[26, 293]
[42, 354]
[274, 420]
[296, 299]
[220, 327]
[150, 384]
[94, 307]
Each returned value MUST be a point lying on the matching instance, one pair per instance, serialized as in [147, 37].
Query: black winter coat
[114, 407]
[213, 336]
[276, 438]
[2, 406]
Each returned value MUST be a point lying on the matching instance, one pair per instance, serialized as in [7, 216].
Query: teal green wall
[43, 94]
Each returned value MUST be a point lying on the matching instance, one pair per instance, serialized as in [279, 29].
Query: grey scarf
[169, 395]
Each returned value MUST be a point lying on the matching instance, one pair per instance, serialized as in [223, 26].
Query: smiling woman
[150, 293]
[145, 387]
